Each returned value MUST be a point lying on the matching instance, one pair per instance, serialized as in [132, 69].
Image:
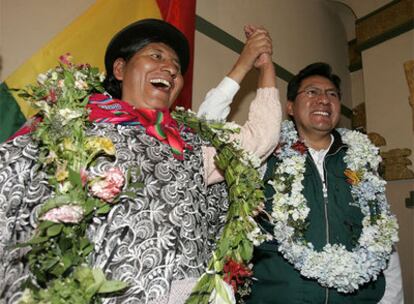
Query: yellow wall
[26, 25]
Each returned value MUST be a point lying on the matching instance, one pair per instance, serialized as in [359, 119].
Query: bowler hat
[135, 36]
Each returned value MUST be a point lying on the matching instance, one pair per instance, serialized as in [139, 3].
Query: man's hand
[256, 52]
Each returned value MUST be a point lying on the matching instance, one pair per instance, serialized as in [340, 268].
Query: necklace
[334, 266]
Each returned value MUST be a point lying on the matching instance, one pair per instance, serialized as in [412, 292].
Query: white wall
[357, 88]
[389, 114]
[386, 91]
[302, 31]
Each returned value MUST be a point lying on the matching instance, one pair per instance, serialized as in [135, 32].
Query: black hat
[135, 36]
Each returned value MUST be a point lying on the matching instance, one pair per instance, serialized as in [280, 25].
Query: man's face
[151, 78]
[316, 109]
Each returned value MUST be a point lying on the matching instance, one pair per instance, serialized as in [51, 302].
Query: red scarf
[157, 123]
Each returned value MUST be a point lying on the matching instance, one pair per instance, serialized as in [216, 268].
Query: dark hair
[112, 85]
[127, 42]
[318, 69]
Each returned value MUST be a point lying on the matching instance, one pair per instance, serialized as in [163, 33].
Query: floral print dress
[153, 241]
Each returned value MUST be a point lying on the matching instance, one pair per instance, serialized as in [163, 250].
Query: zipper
[325, 203]
[325, 199]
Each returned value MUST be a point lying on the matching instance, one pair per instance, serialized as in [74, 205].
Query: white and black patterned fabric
[160, 238]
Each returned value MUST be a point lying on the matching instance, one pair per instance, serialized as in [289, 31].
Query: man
[314, 103]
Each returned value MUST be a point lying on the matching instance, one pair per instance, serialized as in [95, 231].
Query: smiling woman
[159, 237]
[151, 78]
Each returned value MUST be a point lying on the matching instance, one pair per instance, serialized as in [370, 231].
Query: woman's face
[151, 78]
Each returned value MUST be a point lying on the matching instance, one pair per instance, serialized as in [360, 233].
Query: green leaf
[83, 242]
[98, 276]
[50, 263]
[38, 240]
[246, 250]
[99, 279]
[136, 185]
[104, 209]
[201, 292]
[54, 230]
[83, 274]
[67, 261]
[64, 243]
[45, 224]
[90, 205]
[75, 178]
[87, 250]
[112, 286]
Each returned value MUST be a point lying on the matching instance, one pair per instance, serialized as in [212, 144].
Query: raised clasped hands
[259, 44]
[257, 52]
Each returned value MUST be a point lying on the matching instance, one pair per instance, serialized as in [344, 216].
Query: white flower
[101, 77]
[221, 290]
[81, 84]
[79, 75]
[44, 106]
[254, 160]
[41, 78]
[334, 266]
[255, 235]
[68, 114]
[231, 125]
[54, 75]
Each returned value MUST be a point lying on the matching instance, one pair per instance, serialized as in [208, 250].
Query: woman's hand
[256, 52]
[266, 56]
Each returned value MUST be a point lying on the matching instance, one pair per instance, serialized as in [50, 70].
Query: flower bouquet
[59, 248]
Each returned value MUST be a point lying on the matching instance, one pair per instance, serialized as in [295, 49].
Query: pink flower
[84, 176]
[109, 185]
[83, 66]
[52, 96]
[65, 214]
[66, 59]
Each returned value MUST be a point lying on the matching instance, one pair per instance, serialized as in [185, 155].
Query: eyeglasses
[313, 92]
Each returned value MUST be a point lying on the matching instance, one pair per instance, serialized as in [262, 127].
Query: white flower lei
[334, 266]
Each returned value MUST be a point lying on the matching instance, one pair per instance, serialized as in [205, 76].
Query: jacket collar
[337, 144]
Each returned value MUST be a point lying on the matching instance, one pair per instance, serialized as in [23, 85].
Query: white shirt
[216, 105]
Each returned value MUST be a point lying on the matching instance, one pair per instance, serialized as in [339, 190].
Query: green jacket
[277, 280]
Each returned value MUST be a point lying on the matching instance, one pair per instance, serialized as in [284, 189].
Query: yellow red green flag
[85, 39]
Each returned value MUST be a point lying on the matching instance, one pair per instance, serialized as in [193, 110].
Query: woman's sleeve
[259, 135]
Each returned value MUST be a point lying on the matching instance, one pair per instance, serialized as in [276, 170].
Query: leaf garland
[246, 197]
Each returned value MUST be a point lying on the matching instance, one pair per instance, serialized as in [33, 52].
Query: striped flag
[86, 39]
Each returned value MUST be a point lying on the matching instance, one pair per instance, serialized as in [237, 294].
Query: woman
[159, 241]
